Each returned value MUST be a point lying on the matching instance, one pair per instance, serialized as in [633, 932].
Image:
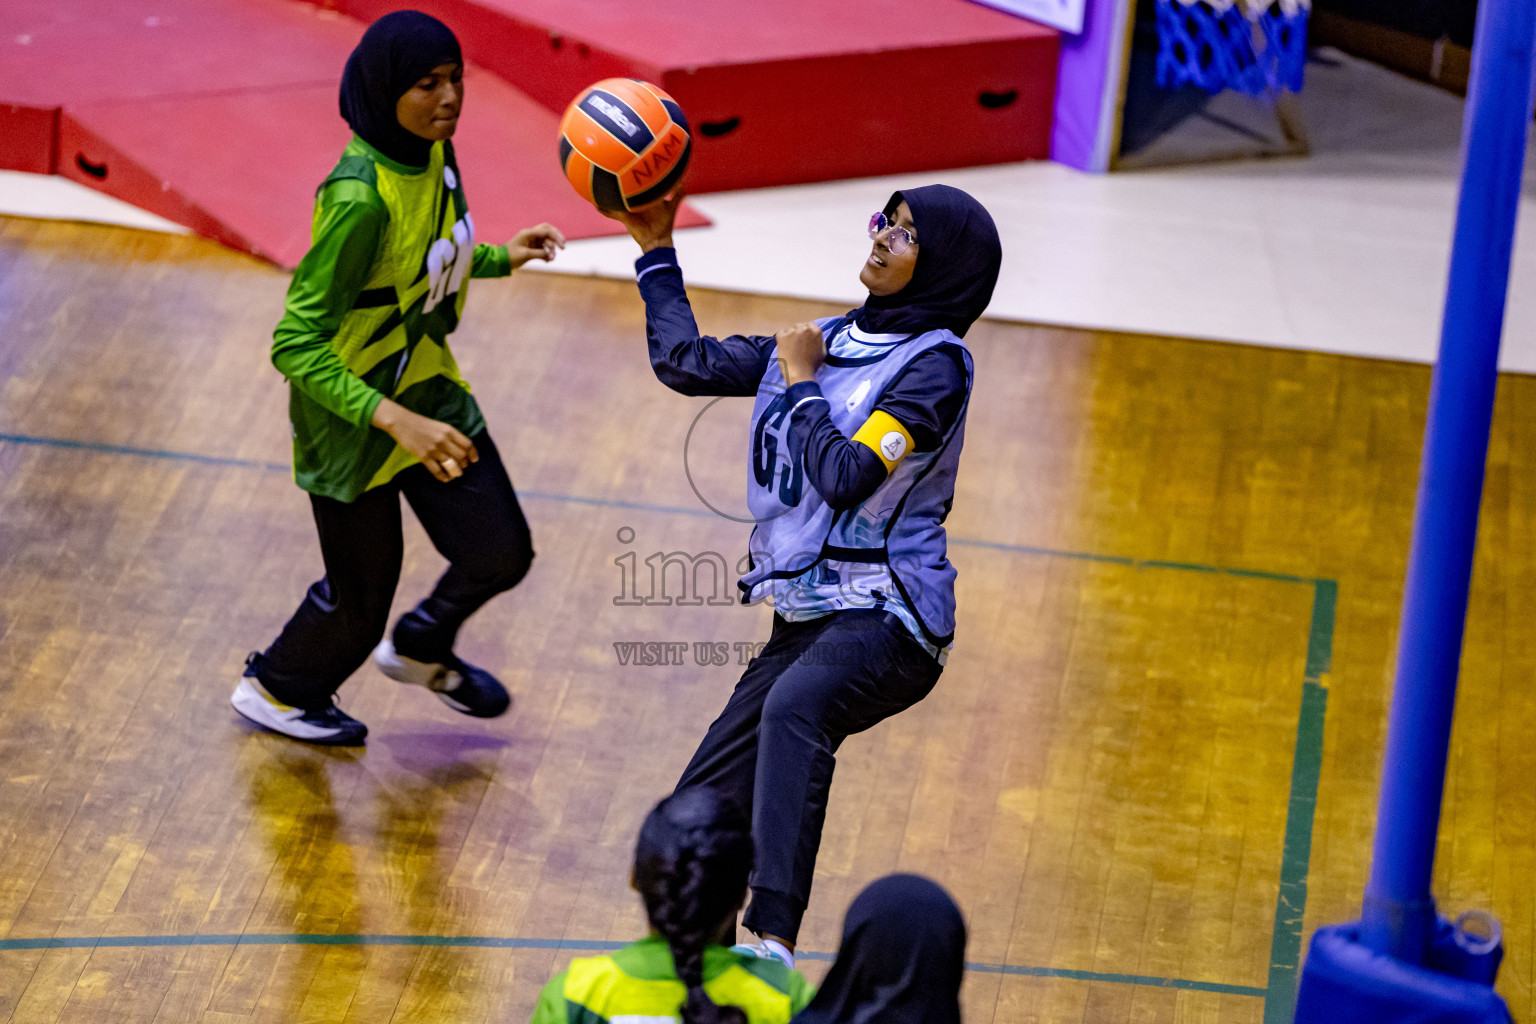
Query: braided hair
[691, 868]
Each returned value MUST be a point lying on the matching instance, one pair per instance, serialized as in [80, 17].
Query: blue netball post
[1402, 961]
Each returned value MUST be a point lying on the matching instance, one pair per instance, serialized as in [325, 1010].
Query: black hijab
[958, 256]
[901, 960]
[393, 55]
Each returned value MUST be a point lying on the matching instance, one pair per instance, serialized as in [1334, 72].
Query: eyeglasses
[898, 241]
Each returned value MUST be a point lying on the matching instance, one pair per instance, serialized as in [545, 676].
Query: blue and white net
[1254, 46]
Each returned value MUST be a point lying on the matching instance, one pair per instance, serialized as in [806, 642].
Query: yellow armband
[884, 435]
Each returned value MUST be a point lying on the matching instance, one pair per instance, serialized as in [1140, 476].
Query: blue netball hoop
[1402, 961]
[1255, 48]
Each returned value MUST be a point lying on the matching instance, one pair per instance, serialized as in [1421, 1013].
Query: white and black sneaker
[457, 683]
[767, 949]
[329, 725]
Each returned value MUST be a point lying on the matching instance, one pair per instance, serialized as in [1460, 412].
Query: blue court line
[1306, 768]
[614, 503]
[143, 453]
[638, 506]
[1135, 563]
[583, 945]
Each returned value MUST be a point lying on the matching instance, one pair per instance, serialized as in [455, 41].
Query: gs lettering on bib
[776, 466]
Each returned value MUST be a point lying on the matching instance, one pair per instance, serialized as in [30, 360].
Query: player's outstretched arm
[540, 242]
[536, 243]
[684, 360]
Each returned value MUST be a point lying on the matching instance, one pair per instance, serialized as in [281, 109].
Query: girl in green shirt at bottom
[691, 867]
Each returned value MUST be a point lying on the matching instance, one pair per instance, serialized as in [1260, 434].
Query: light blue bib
[888, 552]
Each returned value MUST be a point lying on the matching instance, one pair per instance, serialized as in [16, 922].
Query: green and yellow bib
[395, 336]
[638, 984]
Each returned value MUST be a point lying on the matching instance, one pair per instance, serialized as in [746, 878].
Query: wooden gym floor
[1148, 773]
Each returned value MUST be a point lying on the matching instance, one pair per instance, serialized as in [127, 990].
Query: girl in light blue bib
[855, 443]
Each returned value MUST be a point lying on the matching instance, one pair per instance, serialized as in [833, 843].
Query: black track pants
[474, 521]
[772, 750]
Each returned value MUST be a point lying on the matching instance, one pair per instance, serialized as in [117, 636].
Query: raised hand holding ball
[651, 226]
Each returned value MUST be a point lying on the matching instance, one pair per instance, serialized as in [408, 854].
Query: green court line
[1119, 979]
[1320, 641]
[1306, 766]
[581, 945]
[1306, 772]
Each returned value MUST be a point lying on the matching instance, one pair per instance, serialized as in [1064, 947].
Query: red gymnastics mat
[786, 91]
[221, 115]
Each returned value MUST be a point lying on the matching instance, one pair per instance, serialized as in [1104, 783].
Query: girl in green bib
[691, 866]
[378, 407]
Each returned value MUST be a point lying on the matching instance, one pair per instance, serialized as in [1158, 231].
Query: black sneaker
[329, 725]
[457, 683]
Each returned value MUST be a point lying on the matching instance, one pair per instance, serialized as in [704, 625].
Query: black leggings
[772, 749]
[474, 522]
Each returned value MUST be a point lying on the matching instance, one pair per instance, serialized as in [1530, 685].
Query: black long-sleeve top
[925, 398]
